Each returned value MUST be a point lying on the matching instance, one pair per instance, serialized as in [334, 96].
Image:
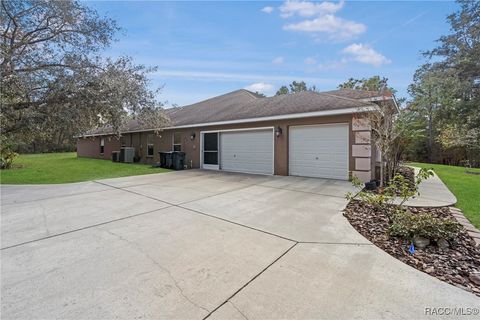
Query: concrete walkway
[433, 193]
[197, 245]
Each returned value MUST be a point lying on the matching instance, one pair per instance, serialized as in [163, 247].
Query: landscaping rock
[420, 242]
[429, 270]
[475, 277]
[443, 244]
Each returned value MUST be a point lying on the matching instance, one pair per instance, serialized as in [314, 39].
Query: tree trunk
[430, 134]
[381, 170]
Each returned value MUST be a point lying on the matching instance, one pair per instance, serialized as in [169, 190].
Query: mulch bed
[455, 264]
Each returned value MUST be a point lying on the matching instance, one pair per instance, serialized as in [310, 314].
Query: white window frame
[102, 145]
[150, 144]
[176, 144]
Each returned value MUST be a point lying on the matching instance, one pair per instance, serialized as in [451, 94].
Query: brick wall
[90, 147]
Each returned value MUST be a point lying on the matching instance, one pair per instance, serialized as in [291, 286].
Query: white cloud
[310, 60]
[260, 87]
[321, 20]
[336, 28]
[365, 54]
[308, 9]
[267, 10]
[278, 60]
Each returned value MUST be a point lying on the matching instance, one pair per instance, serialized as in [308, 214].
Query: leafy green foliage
[446, 91]
[55, 82]
[374, 83]
[7, 155]
[282, 90]
[396, 187]
[404, 223]
[294, 87]
[408, 225]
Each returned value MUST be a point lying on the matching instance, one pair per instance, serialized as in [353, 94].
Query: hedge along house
[306, 134]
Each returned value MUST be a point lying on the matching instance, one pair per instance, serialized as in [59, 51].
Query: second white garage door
[319, 151]
[247, 151]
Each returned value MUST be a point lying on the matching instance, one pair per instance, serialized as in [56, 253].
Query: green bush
[7, 155]
[398, 186]
[408, 225]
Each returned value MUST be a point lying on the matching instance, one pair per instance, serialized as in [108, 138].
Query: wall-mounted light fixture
[278, 132]
[192, 136]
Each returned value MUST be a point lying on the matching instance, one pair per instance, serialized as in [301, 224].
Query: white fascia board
[380, 98]
[259, 119]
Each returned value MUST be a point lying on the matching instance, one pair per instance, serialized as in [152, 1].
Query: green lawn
[66, 167]
[466, 187]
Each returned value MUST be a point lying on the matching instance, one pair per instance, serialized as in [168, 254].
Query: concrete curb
[433, 193]
[471, 230]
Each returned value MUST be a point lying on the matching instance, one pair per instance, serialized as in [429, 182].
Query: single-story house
[311, 134]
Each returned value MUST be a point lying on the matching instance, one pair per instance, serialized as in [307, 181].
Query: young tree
[374, 83]
[282, 90]
[384, 135]
[298, 86]
[295, 86]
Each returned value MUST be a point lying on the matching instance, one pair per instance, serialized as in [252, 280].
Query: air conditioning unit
[127, 154]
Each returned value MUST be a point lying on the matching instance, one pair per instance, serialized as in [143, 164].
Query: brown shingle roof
[243, 104]
[307, 101]
[359, 94]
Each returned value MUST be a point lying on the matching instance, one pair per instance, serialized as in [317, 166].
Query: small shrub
[7, 155]
[397, 186]
[408, 225]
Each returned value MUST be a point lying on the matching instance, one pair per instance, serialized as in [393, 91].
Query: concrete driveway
[197, 244]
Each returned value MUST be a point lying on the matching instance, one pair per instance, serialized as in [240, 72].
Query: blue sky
[204, 49]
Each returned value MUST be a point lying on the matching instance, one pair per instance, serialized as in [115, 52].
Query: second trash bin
[178, 160]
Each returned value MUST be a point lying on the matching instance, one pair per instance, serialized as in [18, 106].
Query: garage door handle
[316, 158]
[234, 155]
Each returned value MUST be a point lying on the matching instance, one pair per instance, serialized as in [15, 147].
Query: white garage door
[247, 151]
[319, 151]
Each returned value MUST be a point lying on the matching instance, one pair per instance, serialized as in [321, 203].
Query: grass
[466, 187]
[66, 167]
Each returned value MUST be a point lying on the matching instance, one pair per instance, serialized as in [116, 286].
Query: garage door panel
[319, 151]
[247, 151]
[322, 164]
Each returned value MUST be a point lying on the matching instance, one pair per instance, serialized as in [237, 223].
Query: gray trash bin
[165, 159]
[178, 160]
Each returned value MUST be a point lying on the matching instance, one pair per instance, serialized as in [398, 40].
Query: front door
[210, 151]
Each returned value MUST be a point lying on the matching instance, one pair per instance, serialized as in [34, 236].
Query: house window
[102, 145]
[150, 145]
[177, 141]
